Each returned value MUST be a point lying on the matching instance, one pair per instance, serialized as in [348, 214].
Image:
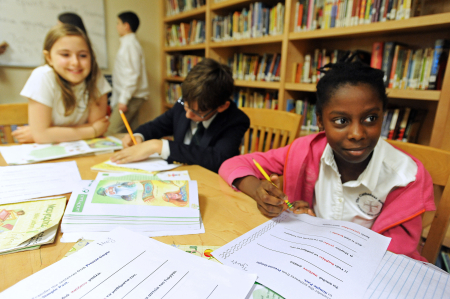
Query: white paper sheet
[401, 277]
[299, 254]
[27, 182]
[128, 265]
[31, 153]
[153, 163]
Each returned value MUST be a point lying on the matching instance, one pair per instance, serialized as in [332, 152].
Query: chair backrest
[12, 114]
[437, 163]
[269, 129]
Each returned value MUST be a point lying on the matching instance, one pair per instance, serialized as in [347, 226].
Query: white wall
[12, 79]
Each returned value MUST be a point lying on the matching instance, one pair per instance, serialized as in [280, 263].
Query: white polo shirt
[361, 201]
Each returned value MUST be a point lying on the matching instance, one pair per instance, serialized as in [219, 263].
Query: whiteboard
[25, 23]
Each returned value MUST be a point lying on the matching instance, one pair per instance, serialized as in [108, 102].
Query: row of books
[308, 110]
[402, 124]
[307, 72]
[256, 21]
[174, 7]
[253, 67]
[185, 34]
[407, 68]
[256, 99]
[173, 92]
[180, 65]
[325, 14]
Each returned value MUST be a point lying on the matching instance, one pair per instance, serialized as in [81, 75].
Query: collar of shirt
[127, 37]
[369, 177]
[206, 123]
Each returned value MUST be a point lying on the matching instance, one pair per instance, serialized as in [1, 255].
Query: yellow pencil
[128, 127]
[268, 178]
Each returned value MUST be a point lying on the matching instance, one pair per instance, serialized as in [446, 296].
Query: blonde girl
[67, 97]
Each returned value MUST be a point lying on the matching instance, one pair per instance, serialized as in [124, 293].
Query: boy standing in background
[130, 85]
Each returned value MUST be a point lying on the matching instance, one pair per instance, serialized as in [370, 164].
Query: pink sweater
[299, 162]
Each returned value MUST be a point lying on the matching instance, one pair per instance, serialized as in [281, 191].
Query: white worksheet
[32, 153]
[27, 182]
[300, 254]
[401, 277]
[128, 265]
[153, 163]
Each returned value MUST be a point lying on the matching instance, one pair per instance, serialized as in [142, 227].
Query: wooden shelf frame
[190, 14]
[424, 23]
[201, 46]
[439, 101]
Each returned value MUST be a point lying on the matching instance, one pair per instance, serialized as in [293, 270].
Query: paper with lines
[299, 254]
[28, 182]
[399, 277]
[131, 266]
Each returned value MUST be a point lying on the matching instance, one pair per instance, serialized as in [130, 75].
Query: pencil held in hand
[268, 178]
[127, 126]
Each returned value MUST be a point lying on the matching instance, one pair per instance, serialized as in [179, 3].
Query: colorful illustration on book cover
[104, 142]
[147, 192]
[8, 219]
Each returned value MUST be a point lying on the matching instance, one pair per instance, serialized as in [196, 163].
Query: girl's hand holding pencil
[267, 193]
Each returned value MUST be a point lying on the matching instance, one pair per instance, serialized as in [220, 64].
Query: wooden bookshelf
[187, 15]
[418, 32]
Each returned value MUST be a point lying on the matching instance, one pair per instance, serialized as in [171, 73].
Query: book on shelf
[440, 57]
[256, 99]
[184, 34]
[257, 20]
[388, 57]
[377, 55]
[308, 110]
[402, 124]
[174, 7]
[180, 65]
[395, 124]
[253, 67]
[173, 92]
[407, 68]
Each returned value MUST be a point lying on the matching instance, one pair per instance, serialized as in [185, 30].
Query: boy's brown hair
[209, 83]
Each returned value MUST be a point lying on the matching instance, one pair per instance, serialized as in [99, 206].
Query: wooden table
[226, 215]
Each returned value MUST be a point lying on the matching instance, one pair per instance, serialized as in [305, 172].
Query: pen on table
[125, 121]
[268, 178]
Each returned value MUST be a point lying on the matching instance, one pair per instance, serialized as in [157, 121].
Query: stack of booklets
[162, 203]
[27, 225]
[31, 153]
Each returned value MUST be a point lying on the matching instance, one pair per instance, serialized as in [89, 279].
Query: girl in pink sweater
[346, 172]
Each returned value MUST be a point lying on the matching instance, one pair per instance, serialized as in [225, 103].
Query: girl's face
[70, 58]
[352, 122]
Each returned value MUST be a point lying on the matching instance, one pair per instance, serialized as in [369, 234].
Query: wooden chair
[270, 129]
[437, 162]
[13, 114]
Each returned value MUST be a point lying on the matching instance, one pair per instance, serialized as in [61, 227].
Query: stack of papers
[26, 226]
[160, 204]
[128, 265]
[28, 182]
[31, 153]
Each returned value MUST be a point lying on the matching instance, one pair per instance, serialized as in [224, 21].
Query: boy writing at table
[207, 127]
